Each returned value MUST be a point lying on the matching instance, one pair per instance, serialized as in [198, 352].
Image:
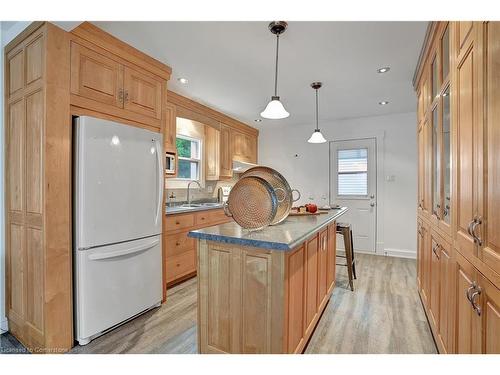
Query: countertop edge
[188, 210]
[266, 244]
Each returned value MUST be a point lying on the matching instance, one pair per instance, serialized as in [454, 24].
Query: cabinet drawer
[179, 243]
[176, 222]
[210, 217]
[180, 265]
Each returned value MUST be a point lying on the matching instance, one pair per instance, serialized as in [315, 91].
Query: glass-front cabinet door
[436, 164]
[446, 157]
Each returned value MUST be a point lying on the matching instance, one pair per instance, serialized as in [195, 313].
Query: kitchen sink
[210, 204]
[192, 205]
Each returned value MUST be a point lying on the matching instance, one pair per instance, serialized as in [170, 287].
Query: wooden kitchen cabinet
[477, 311]
[142, 92]
[111, 79]
[170, 131]
[253, 300]
[488, 201]
[226, 154]
[244, 147]
[322, 267]
[212, 154]
[96, 77]
[311, 306]
[435, 279]
[179, 251]
[458, 109]
[296, 299]
[38, 195]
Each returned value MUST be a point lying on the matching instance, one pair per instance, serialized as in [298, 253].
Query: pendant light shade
[275, 109]
[316, 137]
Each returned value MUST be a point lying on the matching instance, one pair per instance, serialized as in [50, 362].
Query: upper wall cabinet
[113, 88]
[244, 147]
[142, 93]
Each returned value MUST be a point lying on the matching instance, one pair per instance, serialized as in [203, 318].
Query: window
[189, 158]
[352, 170]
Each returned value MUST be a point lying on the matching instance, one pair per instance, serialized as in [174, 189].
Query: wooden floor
[382, 315]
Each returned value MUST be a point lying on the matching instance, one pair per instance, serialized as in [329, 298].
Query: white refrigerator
[118, 190]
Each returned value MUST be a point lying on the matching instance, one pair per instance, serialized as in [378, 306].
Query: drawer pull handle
[177, 223]
[177, 244]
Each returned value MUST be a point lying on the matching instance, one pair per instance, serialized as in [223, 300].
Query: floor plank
[382, 315]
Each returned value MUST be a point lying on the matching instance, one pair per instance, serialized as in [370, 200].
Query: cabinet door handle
[477, 221]
[125, 96]
[120, 95]
[469, 290]
[476, 308]
[469, 228]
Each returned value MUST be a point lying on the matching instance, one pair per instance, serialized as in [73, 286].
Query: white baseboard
[397, 253]
[400, 253]
[4, 325]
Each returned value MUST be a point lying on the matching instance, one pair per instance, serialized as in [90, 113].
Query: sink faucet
[189, 186]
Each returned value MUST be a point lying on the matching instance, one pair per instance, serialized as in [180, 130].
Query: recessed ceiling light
[385, 69]
[182, 80]
[258, 120]
[383, 102]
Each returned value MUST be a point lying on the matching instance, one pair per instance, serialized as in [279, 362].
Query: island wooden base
[253, 300]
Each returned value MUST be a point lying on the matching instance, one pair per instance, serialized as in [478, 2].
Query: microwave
[169, 163]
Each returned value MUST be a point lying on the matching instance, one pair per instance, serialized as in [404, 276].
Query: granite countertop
[285, 236]
[171, 210]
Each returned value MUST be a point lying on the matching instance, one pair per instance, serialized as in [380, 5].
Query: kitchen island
[264, 291]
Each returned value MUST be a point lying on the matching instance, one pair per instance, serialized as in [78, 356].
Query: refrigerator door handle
[119, 253]
[160, 180]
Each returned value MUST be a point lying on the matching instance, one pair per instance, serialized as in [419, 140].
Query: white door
[118, 182]
[353, 184]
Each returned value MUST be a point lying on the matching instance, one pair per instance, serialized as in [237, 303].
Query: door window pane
[352, 171]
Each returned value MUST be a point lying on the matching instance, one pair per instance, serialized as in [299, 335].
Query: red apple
[311, 207]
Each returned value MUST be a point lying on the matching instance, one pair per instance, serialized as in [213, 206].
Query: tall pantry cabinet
[50, 76]
[459, 168]
[38, 193]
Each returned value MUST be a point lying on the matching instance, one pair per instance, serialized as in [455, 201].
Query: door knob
[372, 196]
[372, 204]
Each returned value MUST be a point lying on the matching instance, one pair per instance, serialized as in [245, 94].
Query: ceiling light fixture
[383, 70]
[383, 102]
[316, 137]
[274, 109]
[183, 80]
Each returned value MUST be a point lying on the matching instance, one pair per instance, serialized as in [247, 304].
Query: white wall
[306, 168]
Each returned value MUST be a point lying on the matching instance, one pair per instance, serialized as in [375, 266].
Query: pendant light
[316, 137]
[274, 109]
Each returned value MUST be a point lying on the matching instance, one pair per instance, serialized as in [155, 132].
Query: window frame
[199, 161]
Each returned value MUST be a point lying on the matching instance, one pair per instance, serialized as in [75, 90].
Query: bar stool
[345, 230]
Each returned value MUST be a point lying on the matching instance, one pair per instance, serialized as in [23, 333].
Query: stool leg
[348, 254]
[353, 262]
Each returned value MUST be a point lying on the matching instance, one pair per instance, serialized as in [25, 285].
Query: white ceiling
[230, 65]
